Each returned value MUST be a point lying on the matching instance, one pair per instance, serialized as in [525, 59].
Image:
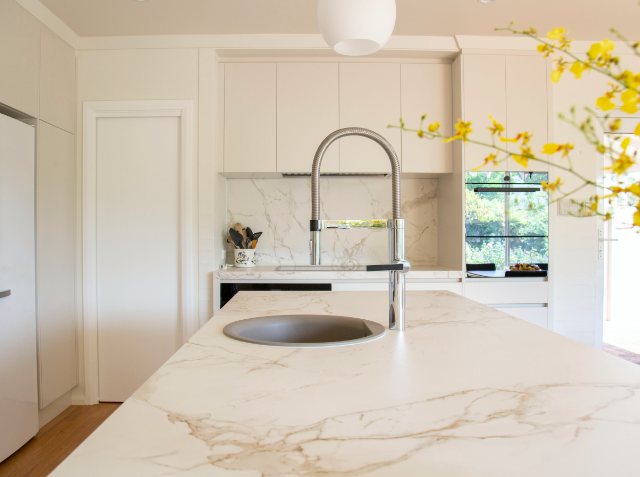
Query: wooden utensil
[254, 243]
[238, 227]
[230, 240]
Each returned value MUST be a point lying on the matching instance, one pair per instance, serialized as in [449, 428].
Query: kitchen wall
[281, 209]
[577, 271]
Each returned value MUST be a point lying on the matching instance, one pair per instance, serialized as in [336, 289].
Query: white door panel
[138, 250]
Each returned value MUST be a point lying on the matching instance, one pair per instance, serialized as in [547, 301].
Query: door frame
[92, 111]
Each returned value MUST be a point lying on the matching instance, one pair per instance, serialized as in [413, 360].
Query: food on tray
[524, 267]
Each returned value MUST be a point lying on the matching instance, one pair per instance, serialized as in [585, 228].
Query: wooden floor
[55, 441]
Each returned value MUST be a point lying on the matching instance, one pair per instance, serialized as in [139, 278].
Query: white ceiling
[586, 19]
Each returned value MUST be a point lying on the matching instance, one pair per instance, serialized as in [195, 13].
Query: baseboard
[54, 409]
[78, 399]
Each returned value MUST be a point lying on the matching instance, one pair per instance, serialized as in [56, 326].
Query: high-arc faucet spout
[397, 265]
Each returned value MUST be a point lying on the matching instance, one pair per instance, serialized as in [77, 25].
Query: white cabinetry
[19, 53]
[426, 89]
[513, 90]
[484, 88]
[369, 98]
[250, 117]
[308, 110]
[349, 285]
[537, 315]
[526, 300]
[57, 81]
[527, 105]
[56, 263]
[500, 292]
[18, 371]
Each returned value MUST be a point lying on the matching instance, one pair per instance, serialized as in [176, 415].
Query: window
[509, 224]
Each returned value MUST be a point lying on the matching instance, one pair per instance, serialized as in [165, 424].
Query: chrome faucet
[397, 265]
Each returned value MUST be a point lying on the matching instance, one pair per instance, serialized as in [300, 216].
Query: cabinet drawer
[452, 287]
[536, 315]
[504, 292]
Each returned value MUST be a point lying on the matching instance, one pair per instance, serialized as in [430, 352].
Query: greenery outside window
[510, 224]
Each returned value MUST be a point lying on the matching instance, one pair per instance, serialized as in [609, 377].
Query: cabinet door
[308, 111]
[369, 98]
[55, 233]
[452, 287]
[527, 105]
[536, 315]
[484, 95]
[19, 50]
[250, 117]
[426, 89]
[57, 81]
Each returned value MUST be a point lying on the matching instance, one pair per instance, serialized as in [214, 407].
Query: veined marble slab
[466, 390]
[281, 209]
[271, 273]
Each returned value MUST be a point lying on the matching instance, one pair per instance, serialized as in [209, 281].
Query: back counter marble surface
[465, 391]
[272, 273]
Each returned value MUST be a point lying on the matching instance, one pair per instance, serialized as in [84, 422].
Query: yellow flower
[552, 148]
[555, 34]
[577, 68]
[556, 75]
[462, 131]
[523, 161]
[496, 128]
[605, 102]
[633, 81]
[624, 161]
[553, 186]
[490, 158]
[420, 133]
[637, 130]
[634, 189]
[636, 216]
[600, 49]
[615, 124]
[434, 127]
[630, 100]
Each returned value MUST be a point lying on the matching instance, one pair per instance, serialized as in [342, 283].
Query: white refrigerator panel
[18, 368]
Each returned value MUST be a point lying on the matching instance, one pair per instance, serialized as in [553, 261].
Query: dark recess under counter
[229, 290]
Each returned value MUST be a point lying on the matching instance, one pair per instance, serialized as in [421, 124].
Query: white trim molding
[93, 110]
[51, 21]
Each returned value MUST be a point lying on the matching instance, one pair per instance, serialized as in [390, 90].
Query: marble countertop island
[466, 390]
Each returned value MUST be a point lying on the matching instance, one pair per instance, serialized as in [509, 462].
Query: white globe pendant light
[356, 27]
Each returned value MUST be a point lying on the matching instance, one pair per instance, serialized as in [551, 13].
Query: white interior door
[18, 371]
[138, 250]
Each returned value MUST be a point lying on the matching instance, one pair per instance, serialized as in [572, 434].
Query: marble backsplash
[281, 209]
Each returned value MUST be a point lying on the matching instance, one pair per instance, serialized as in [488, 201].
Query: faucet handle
[401, 266]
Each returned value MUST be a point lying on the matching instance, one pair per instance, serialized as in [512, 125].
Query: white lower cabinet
[503, 292]
[536, 315]
[455, 287]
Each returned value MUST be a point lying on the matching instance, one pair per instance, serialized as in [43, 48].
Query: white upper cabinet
[57, 81]
[483, 95]
[308, 110]
[426, 89]
[369, 98]
[527, 105]
[55, 232]
[19, 50]
[250, 117]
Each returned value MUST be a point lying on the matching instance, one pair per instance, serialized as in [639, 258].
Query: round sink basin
[304, 331]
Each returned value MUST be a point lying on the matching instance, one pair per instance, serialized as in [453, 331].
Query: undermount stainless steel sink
[304, 331]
